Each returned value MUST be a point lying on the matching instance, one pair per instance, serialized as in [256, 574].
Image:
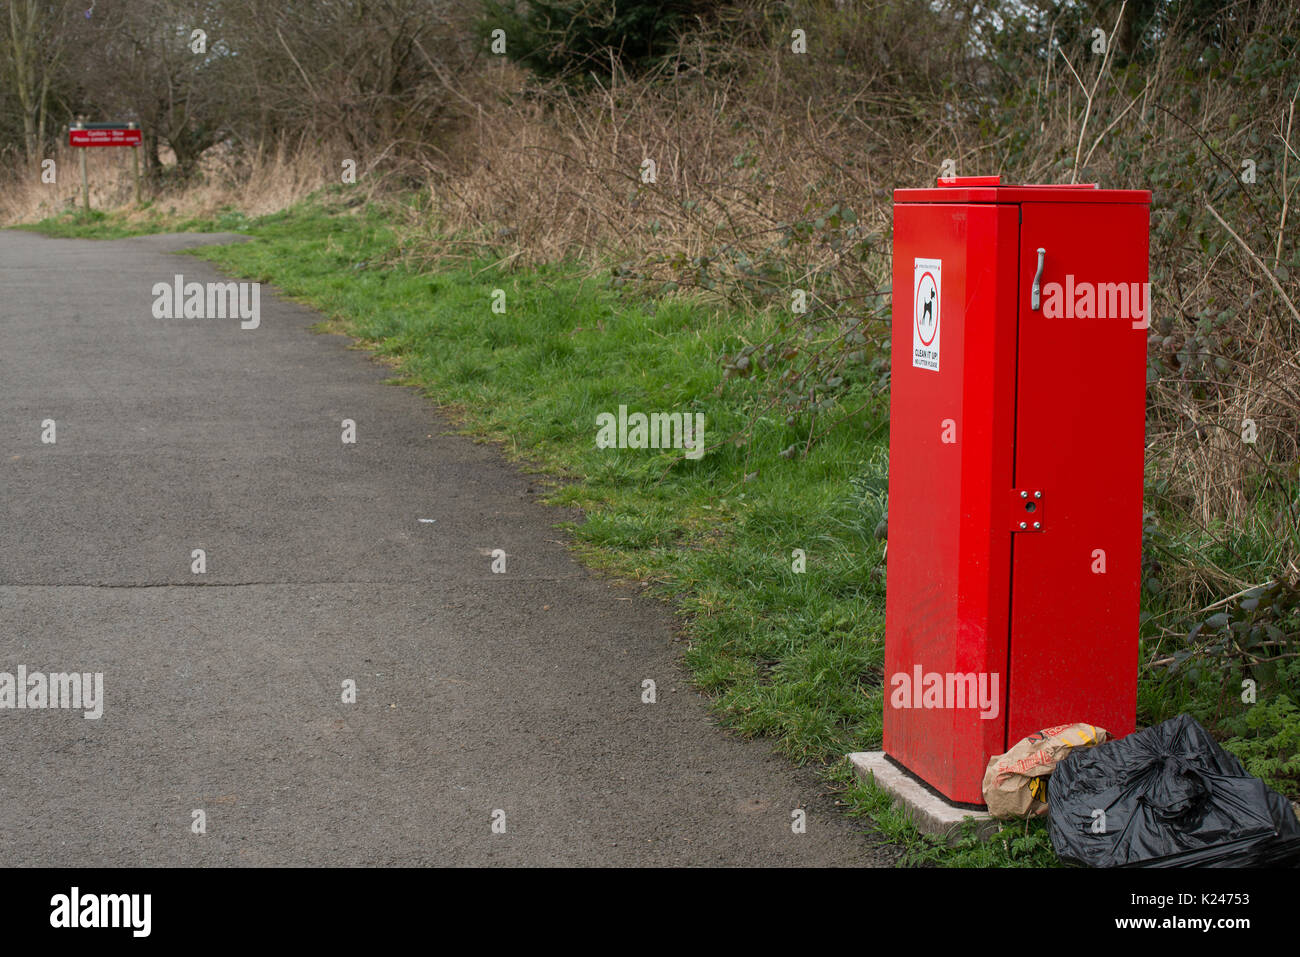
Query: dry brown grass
[25, 198]
[263, 183]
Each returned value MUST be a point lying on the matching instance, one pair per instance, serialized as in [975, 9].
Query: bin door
[1080, 418]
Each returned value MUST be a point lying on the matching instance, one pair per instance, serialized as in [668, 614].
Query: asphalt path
[482, 698]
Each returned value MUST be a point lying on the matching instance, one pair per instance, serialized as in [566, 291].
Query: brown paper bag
[1014, 782]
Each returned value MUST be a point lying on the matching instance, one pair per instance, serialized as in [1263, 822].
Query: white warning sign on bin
[927, 286]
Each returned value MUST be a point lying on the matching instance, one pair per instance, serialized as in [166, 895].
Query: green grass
[792, 656]
[118, 224]
[1017, 844]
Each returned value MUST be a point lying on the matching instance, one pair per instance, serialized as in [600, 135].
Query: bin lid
[989, 189]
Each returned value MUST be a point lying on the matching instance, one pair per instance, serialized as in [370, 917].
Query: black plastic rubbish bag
[1168, 796]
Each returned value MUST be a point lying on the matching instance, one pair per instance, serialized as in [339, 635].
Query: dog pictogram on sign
[927, 286]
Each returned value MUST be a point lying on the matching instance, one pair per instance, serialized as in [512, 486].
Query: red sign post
[84, 135]
[111, 137]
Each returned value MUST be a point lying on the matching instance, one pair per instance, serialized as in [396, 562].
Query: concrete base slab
[931, 813]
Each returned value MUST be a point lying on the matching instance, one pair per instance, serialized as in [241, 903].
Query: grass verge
[144, 221]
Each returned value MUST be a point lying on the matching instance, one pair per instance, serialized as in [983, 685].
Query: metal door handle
[1035, 299]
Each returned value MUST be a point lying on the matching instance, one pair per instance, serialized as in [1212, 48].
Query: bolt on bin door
[1080, 418]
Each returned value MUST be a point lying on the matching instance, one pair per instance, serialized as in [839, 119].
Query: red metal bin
[1017, 415]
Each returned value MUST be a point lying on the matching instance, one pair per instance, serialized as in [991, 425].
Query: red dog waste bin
[1017, 413]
